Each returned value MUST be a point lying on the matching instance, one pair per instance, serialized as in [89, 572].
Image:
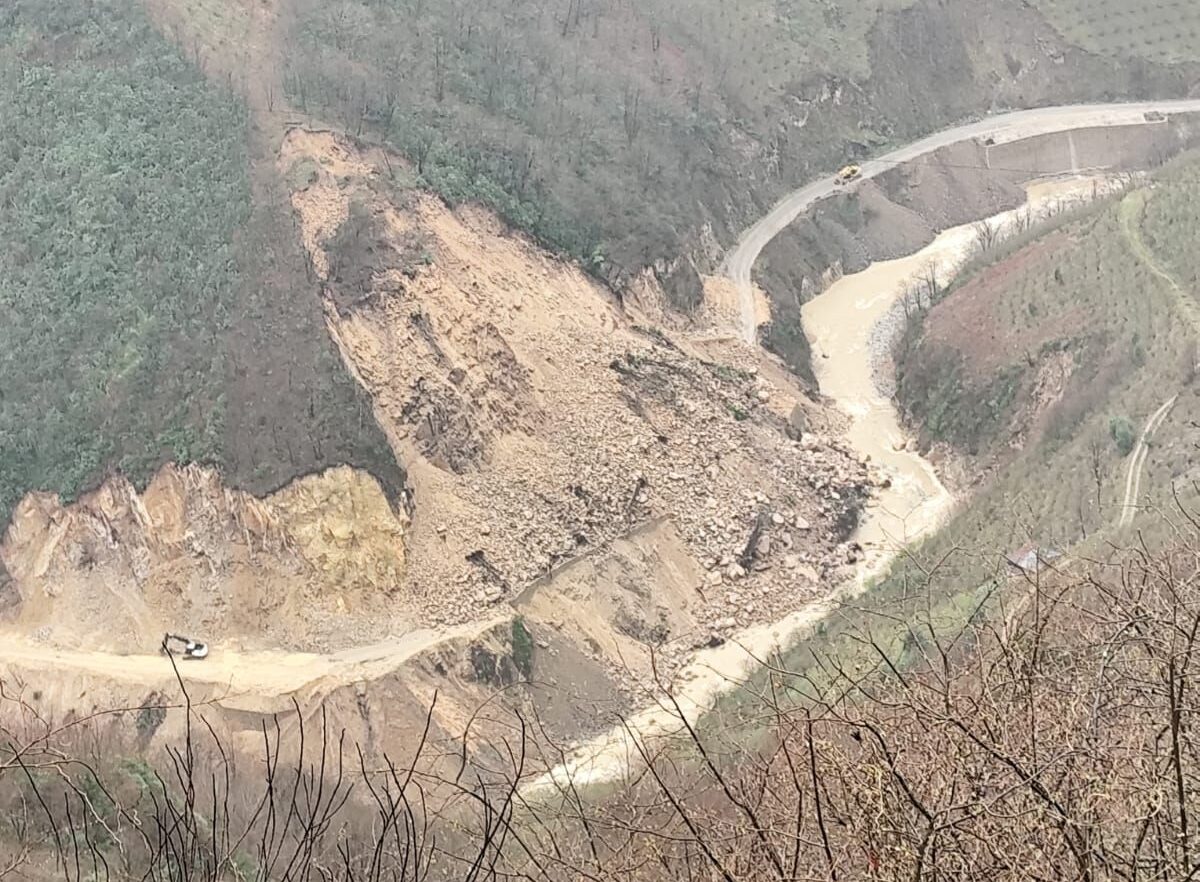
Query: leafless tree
[987, 235]
[1099, 469]
[1047, 733]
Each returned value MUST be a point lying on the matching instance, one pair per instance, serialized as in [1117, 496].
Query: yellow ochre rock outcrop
[118, 567]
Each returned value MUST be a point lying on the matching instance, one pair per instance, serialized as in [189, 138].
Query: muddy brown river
[840, 323]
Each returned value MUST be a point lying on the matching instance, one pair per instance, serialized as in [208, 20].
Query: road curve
[1005, 127]
[1137, 462]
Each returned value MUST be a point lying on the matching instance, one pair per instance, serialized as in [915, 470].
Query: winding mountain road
[1003, 128]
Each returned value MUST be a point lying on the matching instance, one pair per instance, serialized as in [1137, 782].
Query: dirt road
[1002, 128]
[265, 674]
[1137, 462]
[1131, 211]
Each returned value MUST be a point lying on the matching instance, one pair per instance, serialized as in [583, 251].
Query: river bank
[851, 326]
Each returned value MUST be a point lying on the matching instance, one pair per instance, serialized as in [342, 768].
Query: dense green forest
[607, 129]
[125, 280]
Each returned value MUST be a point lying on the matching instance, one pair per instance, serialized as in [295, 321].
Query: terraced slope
[1166, 31]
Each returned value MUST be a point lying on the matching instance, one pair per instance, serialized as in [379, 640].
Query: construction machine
[187, 647]
[848, 174]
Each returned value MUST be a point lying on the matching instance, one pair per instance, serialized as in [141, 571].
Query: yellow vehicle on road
[848, 174]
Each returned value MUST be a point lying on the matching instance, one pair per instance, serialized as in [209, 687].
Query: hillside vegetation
[1163, 31]
[617, 133]
[149, 307]
[600, 126]
[1040, 367]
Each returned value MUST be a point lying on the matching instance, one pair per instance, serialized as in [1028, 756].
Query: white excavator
[187, 647]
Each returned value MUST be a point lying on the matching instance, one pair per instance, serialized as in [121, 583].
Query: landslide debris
[540, 419]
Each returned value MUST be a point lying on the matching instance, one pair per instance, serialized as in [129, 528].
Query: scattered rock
[628, 420]
[797, 423]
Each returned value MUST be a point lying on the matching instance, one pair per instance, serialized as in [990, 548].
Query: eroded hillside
[539, 419]
[309, 565]
[603, 483]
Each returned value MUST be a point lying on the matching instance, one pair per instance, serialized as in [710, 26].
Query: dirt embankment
[900, 212]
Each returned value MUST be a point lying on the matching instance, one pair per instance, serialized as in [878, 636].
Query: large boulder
[797, 422]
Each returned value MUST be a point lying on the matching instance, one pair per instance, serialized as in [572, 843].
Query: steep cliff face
[118, 568]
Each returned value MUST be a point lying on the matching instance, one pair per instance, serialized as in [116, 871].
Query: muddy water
[839, 323]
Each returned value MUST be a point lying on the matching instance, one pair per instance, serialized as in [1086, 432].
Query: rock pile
[682, 440]
[539, 423]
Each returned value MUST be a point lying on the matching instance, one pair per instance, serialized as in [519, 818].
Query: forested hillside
[605, 128]
[1040, 369]
[149, 310]
[628, 135]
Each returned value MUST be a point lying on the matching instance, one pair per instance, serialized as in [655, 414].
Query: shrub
[1122, 434]
[522, 648]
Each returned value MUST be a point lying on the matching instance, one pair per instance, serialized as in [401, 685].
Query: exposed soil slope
[614, 484]
[537, 418]
[318, 563]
